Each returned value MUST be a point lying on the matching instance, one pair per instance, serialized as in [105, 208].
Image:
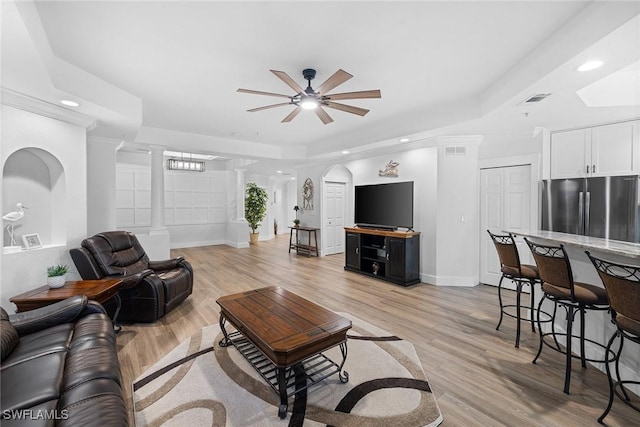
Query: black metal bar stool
[622, 283]
[520, 274]
[558, 286]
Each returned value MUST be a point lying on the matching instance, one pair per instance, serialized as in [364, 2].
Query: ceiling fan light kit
[310, 99]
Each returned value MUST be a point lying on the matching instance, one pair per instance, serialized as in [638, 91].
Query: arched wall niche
[35, 178]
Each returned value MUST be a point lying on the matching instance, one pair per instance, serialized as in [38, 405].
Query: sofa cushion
[97, 402]
[8, 335]
[32, 382]
[47, 341]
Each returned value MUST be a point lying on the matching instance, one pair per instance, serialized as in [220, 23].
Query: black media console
[389, 255]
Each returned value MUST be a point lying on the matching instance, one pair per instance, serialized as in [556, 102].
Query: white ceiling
[170, 70]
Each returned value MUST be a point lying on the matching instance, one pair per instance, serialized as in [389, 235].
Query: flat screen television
[384, 205]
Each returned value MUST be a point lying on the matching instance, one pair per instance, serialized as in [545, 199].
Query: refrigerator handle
[581, 213]
[587, 208]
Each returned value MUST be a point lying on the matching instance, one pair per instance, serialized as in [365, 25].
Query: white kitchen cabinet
[607, 150]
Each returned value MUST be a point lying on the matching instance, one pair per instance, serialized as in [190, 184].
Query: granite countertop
[616, 247]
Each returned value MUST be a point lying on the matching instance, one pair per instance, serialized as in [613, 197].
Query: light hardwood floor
[476, 374]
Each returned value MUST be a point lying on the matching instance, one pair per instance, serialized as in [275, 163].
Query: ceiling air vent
[536, 98]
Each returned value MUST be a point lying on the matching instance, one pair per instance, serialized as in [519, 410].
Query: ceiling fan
[311, 99]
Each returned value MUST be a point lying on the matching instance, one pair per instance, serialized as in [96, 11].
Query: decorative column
[237, 228]
[157, 190]
[240, 193]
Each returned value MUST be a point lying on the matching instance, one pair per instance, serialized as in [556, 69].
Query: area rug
[200, 383]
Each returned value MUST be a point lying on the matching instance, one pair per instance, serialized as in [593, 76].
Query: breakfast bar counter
[605, 246]
[598, 325]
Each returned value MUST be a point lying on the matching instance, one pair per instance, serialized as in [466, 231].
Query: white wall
[66, 143]
[445, 190]
[196, 203]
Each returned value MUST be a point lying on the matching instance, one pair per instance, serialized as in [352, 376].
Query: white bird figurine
[13, 217]
[16, 215]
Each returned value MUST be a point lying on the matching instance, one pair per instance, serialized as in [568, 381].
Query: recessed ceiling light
[345, 152]
[69, 103]
[404, 140]
[278, 171]
[293, 178]
[591, 65]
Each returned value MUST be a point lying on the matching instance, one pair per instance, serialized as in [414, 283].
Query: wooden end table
[97, 290]
[281, 334]
[309, 249]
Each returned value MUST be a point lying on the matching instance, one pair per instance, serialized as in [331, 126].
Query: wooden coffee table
[281, 334]
[97, 290]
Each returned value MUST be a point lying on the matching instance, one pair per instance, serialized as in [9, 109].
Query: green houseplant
[255, 208]
[57, 275]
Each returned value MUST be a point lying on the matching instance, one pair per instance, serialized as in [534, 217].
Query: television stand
[393, 256]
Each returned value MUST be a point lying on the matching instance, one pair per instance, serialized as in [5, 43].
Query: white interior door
[334, 203]
[505, 204]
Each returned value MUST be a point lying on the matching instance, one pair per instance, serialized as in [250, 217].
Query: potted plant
[57, 275]
[296, 222]
[255, 208]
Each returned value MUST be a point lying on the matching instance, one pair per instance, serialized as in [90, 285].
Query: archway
[336, 207]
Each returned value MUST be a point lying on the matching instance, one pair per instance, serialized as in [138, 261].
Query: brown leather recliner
[150, 289]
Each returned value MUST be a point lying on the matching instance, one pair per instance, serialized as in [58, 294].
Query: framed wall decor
[31, 241]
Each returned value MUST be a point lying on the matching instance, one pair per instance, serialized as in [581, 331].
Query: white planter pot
[56, 281]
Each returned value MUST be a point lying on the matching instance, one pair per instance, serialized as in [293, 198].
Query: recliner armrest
[55, 314]
[133, 279]
[168, 264]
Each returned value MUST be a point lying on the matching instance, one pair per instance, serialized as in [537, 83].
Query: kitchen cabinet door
[614, 149]
[570, 153]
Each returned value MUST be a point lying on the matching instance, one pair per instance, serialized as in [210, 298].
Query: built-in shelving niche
[36, 178]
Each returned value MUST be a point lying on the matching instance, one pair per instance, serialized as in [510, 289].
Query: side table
[97, 290]
[309, 248]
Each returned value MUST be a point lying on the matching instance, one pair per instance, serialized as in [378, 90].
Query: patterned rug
[200, 383]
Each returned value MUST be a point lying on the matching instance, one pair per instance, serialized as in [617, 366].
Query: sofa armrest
[168, 264]
[55, 314]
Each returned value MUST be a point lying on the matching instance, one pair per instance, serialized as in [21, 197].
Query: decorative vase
[253, 238]
[56, 281]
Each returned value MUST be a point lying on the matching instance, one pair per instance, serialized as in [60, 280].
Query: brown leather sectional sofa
[60, 367]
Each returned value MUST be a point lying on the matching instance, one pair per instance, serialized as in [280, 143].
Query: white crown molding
[28, 103]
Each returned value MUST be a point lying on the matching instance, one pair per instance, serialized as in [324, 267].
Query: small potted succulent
[57, 275]
[296, 222]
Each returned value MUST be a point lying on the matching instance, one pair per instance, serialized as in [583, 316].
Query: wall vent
[455, 151]
[536, 98]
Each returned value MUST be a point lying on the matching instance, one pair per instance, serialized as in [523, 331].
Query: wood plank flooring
[476, 374]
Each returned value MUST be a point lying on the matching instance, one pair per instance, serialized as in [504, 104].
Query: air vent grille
[536, 98]
[455, 151]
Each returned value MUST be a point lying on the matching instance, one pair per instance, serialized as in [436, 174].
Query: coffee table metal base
[286, 381]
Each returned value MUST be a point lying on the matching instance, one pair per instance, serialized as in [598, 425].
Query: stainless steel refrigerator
[605, 207]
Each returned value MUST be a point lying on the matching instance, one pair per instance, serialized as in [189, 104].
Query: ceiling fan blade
[257, 92]
[253, 110]
[292, 115]
[355, 95]
[336, 79]
[348, 108]
[326, 119]
[288, 80]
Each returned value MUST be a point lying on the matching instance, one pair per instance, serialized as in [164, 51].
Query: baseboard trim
[460, 281]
